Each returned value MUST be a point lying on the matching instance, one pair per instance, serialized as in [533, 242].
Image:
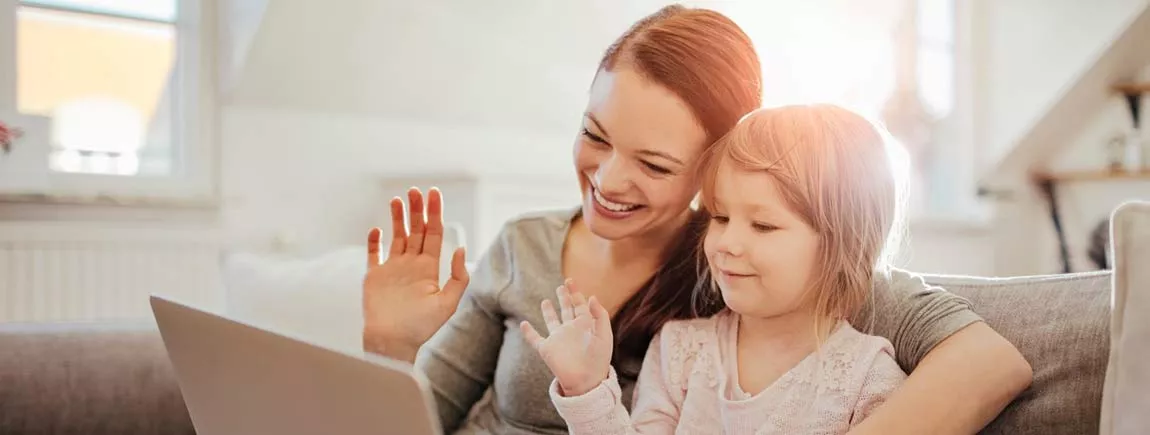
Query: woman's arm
[962, 372]
[958, 388]
[460, 359]
[458, 327]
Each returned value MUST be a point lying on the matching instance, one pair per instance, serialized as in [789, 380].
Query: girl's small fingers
[549, 316]
[532, 336]
[582, 308]
[566, 307]
[602, 318]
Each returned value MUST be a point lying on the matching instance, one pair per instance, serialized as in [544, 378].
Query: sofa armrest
[88, 379]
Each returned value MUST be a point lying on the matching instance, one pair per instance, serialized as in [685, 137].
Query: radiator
[61, 272]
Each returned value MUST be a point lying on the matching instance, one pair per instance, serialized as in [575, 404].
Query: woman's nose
[612, 177]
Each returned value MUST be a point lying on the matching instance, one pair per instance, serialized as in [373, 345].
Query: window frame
[194, 180]
[955, 158]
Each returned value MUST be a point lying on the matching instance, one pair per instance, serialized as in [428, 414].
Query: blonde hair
[834, 169]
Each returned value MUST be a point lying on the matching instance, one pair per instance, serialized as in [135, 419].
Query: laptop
[239, 379]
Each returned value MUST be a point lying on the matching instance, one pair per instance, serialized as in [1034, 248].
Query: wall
[954, 248]
[315, 122]
[1030, 51]
[318, 178]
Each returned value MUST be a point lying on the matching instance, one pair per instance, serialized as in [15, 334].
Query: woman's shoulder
[532, 234]
[537, 226]
[526, 253]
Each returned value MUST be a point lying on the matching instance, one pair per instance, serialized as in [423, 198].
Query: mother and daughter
[768, 309]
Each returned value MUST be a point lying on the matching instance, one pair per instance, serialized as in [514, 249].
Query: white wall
[1030, 51]
[955, 248]
[314, 121]
[319, 177]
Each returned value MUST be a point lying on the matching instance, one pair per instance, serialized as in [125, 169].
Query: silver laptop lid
[240, 379]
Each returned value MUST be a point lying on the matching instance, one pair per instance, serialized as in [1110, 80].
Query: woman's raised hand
[403, 305]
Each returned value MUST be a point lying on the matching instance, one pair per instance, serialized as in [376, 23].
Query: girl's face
[763, 256]
[635, 156]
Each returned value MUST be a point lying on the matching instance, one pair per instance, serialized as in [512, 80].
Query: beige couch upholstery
[1060, 323]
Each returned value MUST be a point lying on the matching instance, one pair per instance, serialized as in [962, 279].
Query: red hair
[706, 60]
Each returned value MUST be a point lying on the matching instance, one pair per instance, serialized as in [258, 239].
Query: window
[113, 88]
[935, 55]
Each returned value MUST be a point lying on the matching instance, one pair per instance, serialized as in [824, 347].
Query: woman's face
[636, 156]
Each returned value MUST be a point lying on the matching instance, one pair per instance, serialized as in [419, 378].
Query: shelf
[1133, 88]
[1094, 175]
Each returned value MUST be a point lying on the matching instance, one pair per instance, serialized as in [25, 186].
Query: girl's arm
[601, 411]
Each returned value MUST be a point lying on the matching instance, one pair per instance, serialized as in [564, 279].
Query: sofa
[115, 379]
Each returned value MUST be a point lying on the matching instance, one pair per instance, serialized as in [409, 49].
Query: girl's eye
[763, 228]
[721, 220]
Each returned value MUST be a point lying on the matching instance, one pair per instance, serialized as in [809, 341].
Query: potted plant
[8, 135]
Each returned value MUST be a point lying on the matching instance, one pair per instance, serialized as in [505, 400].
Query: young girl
[802, 202]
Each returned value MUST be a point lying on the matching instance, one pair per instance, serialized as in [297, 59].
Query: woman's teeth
[613, 206]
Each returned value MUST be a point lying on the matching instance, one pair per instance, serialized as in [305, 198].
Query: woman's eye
[658, 169]
[592, 136]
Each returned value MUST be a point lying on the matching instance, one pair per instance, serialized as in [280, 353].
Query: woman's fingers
[373, 247]
[415, 213]
[398, 228]
[459, 276]
[433, 232]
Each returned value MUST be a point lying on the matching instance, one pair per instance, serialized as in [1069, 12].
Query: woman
[665, 91]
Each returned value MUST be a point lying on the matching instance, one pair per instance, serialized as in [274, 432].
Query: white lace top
[689, 385]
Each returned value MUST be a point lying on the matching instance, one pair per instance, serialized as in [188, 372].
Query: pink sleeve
[601, 411]
[883, 377]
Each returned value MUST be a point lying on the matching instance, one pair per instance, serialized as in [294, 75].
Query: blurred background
[197, 147]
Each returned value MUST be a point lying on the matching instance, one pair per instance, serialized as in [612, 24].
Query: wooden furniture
[1047, 182]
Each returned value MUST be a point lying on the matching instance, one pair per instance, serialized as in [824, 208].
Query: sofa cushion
[317, 298]
[1060, 323]
[1127, 394]
[314, 296]
[88, 378]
